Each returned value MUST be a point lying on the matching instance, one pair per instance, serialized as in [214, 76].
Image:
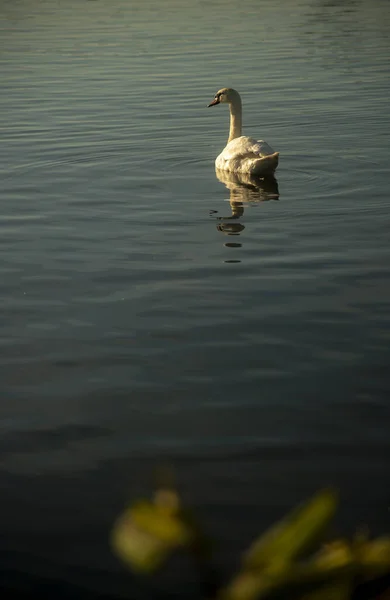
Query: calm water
[150, 311]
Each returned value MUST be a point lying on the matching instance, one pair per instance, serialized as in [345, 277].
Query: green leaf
[295, 534]
[146, 533]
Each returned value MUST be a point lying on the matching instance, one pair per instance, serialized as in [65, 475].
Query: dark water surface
[151, 311]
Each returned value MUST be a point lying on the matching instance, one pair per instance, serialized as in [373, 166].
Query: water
[150, 312]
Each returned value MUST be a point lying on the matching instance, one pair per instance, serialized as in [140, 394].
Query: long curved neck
[235, 118]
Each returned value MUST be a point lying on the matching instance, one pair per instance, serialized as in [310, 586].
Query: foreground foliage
[289, 561]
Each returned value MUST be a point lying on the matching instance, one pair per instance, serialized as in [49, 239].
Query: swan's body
[247, 155]
[243, 154]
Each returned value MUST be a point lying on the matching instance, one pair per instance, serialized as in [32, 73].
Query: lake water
[151, 312]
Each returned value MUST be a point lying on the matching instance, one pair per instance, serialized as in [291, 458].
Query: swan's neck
[235, 119]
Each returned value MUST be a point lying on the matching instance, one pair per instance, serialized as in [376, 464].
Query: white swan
[243, 154]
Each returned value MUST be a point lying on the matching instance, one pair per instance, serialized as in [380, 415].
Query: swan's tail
[266, 165]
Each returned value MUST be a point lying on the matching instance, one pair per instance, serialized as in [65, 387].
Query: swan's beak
[214, 102]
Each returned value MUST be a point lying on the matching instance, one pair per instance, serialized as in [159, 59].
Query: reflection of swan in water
[246, 189]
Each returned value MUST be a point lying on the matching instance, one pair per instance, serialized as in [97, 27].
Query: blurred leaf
[332, 562]
[337, 590]
[251, 585]
[146, 533]
[136, 547]
[374, 557]
[295, 534]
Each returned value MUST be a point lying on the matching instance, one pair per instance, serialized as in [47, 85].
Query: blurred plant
[286, 562]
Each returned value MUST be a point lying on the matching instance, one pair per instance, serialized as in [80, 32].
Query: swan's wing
[247, 155]
[246, 147]
[265, 149]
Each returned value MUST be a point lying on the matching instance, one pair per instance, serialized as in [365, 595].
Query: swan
[242, 154]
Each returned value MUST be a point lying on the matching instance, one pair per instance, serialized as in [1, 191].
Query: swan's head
[227, 95]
